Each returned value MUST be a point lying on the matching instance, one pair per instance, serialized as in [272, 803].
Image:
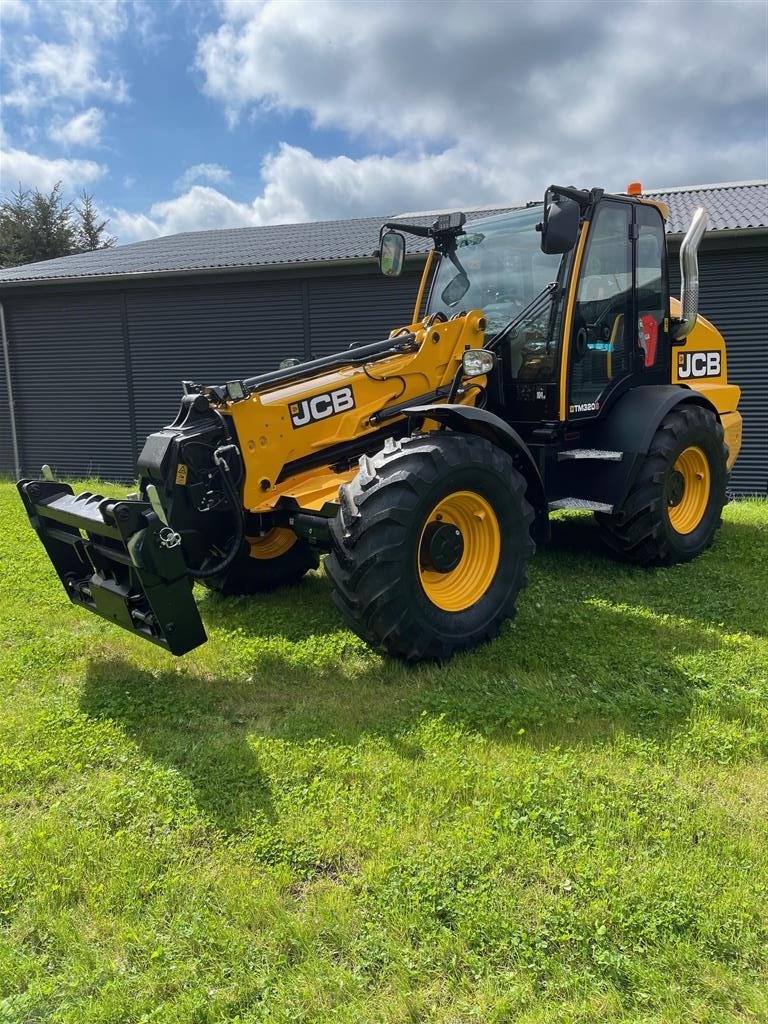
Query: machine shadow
[703, 590]
[183, 722]
[283, 666]
[208, 725]
[275, 613]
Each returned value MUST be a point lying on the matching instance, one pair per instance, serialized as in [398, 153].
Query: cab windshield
[504, 266]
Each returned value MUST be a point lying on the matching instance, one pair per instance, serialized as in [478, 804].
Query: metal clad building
[98, 343]
[734, 296]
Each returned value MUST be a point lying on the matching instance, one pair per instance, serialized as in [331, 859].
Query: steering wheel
[579, 346]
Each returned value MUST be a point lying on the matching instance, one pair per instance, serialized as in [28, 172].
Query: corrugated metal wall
[734, 296]
[95, 372]
[209, 335]
[70, 383]
[6, 448]
[344, 310]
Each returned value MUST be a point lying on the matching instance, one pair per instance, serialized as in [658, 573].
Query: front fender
[470, 420]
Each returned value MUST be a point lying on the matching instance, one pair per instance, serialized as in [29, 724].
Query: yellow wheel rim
[273, 544]
[688, 490]
[477, 551]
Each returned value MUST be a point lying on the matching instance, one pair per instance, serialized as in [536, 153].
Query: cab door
[613, 340]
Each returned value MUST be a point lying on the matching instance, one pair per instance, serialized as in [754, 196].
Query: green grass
[568, 824]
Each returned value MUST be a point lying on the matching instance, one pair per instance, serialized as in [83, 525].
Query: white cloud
[15, 10]
[75, 66]
[298, 186]
[83, 129]
[490, 109]
[130, 227]
[145, 24]
[552, 90]
[34, 171]
[199, 208]
[202, 172]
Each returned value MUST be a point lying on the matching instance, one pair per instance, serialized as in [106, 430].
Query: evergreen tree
[37, 226]
[91, 232]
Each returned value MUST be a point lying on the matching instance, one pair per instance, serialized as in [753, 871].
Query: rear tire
[278, 559]
[673, 508]
[430, 545]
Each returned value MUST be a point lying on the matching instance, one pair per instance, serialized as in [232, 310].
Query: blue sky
[178, 116]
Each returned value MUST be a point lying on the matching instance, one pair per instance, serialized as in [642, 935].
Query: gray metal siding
[734, 296]
[208, 335]
[70, 384]
[74, 393]
[6, 448]
[357, 310]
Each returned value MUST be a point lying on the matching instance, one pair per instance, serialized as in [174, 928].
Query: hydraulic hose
[226, 479]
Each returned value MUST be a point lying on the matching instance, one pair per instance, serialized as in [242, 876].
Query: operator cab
[575, 296]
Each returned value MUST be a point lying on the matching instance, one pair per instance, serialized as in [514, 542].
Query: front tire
[674, 506]
[430, 545]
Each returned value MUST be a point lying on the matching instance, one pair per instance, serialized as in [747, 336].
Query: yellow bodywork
[704, 351]
[568, 326]
[272, 446]
[283, 460]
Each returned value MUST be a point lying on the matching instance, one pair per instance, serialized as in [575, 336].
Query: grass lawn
[568, 824]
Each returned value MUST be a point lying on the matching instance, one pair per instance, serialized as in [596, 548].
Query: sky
[178, 116]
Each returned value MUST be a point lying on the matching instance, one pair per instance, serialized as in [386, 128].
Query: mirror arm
[444, 238]
[451, 254]
[410, 229]
[579, 195]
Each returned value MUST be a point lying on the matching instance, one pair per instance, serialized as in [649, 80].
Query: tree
[35, 226]
[91, 232]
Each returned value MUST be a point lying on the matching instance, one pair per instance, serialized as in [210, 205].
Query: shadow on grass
[596, 649]
[295, 613]
[187, 724]
[726, 587]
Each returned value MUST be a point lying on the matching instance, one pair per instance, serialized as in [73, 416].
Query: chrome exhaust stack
[689, 273]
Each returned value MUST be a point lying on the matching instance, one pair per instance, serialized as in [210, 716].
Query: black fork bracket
[118, 559]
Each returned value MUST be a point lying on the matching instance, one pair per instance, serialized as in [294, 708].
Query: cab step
[579, 505]
[590, 453]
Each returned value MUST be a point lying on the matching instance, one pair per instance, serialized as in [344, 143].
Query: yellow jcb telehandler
[551, 371]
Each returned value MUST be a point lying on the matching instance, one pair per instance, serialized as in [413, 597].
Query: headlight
[476, 362]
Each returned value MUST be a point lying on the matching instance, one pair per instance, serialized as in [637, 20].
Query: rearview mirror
[560, 227]
[391, 253]
[455, 290]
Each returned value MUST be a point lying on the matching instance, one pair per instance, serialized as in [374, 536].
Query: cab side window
[603, 339]
[651, 290]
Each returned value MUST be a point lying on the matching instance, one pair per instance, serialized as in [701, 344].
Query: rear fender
[632, 422]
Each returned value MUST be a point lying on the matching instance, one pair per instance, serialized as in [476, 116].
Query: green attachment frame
[118, 559]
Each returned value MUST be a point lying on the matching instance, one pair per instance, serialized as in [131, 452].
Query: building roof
[264, 247]
[738, 206]
[734, 206]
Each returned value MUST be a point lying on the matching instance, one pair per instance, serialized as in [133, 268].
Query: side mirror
[560, 227]
[391, 253]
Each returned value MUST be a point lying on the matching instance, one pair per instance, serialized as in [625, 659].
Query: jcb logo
[320, 407]
[698, 364]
